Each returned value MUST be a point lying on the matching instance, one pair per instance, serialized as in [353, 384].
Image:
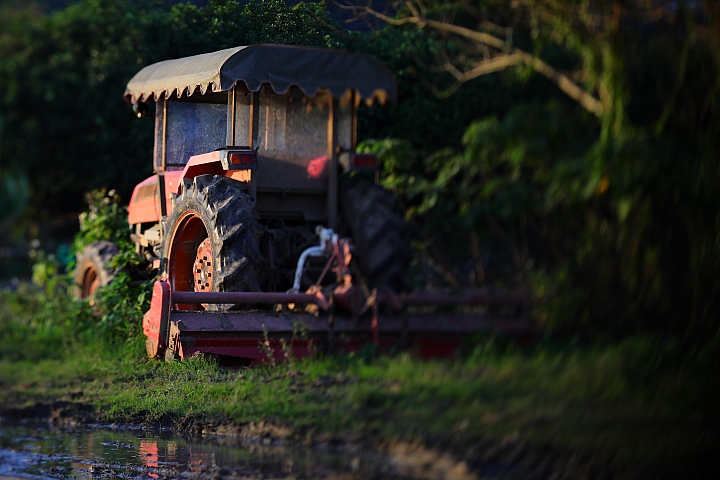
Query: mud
[40, 450]
[272, 450]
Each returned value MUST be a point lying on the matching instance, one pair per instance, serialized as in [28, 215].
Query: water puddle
[39, 451]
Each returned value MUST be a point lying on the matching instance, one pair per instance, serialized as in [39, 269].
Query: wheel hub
[203, 267]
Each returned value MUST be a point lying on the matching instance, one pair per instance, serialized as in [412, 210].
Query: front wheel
[93, 270]
[212, 241]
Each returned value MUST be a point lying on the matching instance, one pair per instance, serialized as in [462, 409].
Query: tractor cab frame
[295, 107]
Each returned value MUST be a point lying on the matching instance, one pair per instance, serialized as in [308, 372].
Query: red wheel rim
[203, 267]
[90, 284]
[187, 237]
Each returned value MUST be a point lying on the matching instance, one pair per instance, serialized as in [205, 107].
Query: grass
[642, 401]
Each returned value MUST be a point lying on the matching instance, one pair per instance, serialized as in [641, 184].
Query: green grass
[641, 401]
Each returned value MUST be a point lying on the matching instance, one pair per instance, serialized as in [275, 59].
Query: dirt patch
[263, 431]
[486, 458]
[58, 413]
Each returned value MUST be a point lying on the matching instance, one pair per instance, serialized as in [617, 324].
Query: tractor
[262, 221]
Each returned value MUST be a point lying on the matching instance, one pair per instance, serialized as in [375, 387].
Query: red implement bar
[396, 300]
[245, 298]
[252, 334]
[241, 334]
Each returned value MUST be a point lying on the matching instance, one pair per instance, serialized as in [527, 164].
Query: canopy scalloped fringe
[380, 95]
[312, 70]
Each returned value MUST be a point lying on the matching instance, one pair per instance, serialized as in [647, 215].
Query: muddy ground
[506, 458]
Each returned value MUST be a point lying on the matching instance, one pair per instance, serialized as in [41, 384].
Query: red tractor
[258, 218]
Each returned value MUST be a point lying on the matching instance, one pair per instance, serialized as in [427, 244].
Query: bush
[106, 219]
[44, 320]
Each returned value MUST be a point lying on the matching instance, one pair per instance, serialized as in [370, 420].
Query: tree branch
[508, 56]
[571, 89]
[492, 65]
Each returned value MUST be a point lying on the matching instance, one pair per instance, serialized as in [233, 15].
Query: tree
[607, 205]
[480, 37]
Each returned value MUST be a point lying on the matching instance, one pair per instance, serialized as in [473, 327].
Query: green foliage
[611, 221]
[41, 322]
[106, 219]
[45, 320]
[45, 268]
[226, 23]
[119, 308]
[63, 75]
[426, 122]
[604, 232]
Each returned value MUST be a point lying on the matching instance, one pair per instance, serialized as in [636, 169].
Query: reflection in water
[149, 449]
[41, 452]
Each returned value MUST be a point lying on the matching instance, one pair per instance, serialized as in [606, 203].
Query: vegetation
[596, 193]
[43, 320]
[577, 157]
[635, 406]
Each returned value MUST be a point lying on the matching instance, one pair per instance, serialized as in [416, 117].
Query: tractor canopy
[279, 66]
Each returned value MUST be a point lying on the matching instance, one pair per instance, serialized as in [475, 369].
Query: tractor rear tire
[378, 232]
[211, 241]
[92, 270]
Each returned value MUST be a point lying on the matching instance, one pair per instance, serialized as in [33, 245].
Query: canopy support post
[332, 156]
[252, 140]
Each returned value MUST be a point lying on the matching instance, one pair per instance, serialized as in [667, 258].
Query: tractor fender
[208, 164]
[143, 202]
[144, 206]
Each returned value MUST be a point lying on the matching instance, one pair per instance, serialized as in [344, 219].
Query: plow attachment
[264, 326]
